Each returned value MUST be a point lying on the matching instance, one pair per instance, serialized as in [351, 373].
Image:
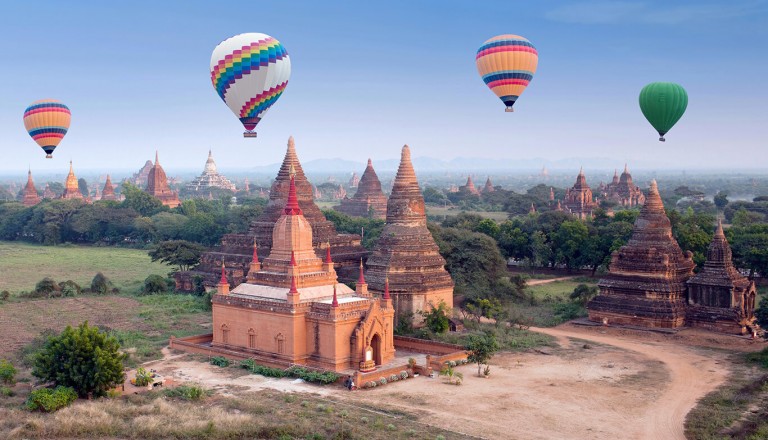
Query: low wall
[362, 378]
[425, 346]
[199, 344]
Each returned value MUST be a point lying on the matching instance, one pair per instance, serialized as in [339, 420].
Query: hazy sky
[368, 77]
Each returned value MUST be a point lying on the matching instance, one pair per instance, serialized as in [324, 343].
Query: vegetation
[101, 284]
[308, 375]
[143, 377]
[481, 349]
[187, 392]
[7, 373]
[452, 376]
[155, 284]
[220, 361]
[436, 319]
[179, 253]
[85, 359]
[370, 228]
[50, 400]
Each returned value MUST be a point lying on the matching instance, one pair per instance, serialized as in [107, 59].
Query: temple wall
[276, 333]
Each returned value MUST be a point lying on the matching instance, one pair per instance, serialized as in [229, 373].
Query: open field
[557, 289]
[440, 211]
[23, 265]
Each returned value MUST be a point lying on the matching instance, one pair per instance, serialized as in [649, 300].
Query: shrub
[100, 284]
[69, 288]
[154, 284]
[391, 427]
[143, 377]
[187, 392]
[49, 400]
[6, 392]
[437, 318]
[4, 295]
[404, 375]
[47, 287]
[7, 372]
[383, 381]
[394, 378]
[220, 361]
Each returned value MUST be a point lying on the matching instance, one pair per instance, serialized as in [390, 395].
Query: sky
[368, 77]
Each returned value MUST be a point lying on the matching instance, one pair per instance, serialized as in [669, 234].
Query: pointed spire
[223, 279]
[626, 170]
[386, 288]
[335, 302]
[361, 278]
[293, 259]
[292, 205]
[370, 164]
[328, 253]
[210, 155]
[255, 259]
[719, 231]
[157, 158]
[581, 171]
[294, 290]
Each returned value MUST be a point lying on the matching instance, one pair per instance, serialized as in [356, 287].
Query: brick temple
[108, 193]
[488, 187]
[406, 253]
[293, 310]
[578, 198]
[369, 200]
[29, 196]
[157, 185]
[469, 187]
[71, 188]
[719, 297]
[646, 280]
[236, 250]
[622, 190]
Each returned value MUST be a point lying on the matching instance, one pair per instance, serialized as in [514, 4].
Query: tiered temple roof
[108, 193]
[29, 196]
[623, 191]
[71, 188]
[406, 252]
[369, 200]
[140, 177]
[488, 188]
[646, 281]
[719, 297]
[470, 187]
[48, 192]
[157, 185]
[354, 180]
[578, 199]
[210, 178]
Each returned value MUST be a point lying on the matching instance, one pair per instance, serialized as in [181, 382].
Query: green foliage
[761, 312]
[308, 375]
[143, 377]
[180, 253]
[155, 284]
[452, 376]
[404, 324]
[7, 372]
[583, 294]
[568, 311]
[101, 284]
[760, 358]
[141, 201]
[370, 228]
[4, 295]
[481, 348]
[434, 196]
[490, 308]
[69, 288]
[187, 392]
[83, 358]
[436, 319]
[721, 199]
[220, 361]
[47, 287]
[50, 400]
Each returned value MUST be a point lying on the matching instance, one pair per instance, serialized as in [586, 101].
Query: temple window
[225, 333]
[280, 343]
[251, 338]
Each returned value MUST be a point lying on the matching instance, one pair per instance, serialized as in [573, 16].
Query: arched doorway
[376, 345]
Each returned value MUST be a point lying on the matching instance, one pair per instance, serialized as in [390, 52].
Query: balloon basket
[249, 134]
[49, 156]
[661, 139]
[509, 110]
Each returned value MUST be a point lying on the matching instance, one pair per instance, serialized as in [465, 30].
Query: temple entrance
[376, 345]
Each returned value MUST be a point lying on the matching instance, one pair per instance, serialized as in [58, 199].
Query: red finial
[223, 279]
[386, 288]
[293, 290]
[328, 254]
[361, 280]
[255, 252]
[293, 258]
[335, 302]
[292, 205]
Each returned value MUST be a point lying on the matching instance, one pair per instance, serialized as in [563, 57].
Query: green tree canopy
[481, 348]
[179, 253]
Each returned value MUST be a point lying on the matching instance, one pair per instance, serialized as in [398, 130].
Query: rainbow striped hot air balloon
[47, 121]
[507, 64]
[250, 72]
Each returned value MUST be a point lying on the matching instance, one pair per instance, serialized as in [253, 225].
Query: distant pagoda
[108, 193]
[140, 177]
[406, 253]
[157, 185]
[488, 187]
[622, 191]
[646, 281]
[578, 199]
[354, 180]
[30, 197]
[48, 193]
[369, 200]
[469, 187]
[719, 297]
[71, 188]
[210, 179]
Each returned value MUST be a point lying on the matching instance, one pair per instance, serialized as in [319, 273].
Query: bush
[47, 287]
[4, 295]
[50, 400]
[100, 284]
[220, 361]
[155, 284]
[143, 377]
[437, 318]
[187, 392]
[321, 377]
[69, 288]
[7, 372]
[6, 392]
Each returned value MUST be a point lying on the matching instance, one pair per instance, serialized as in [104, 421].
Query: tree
[155, 284]
[7, 373]
[141, 201]
[84, 358]
[47, 287]
[481, 349]
[583, 293]
[180, 253]
[82, 185]
[434, 196]
[100, 284]
[437, 318]
[721, 199]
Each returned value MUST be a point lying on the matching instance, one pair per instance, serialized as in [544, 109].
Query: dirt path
[551, 280]
[692, 376]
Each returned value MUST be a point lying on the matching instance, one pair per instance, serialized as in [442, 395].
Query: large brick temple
[622, 190]
[236, 250]
[157, 185]
[578, 198]
[369, 200]
[29, 196]
[650, 281]
[406, 253]
[293, 310]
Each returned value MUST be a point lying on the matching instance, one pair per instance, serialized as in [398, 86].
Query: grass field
[559, 289]
[22, 265]
[440, 211]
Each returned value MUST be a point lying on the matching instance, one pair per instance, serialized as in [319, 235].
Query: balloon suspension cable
[509, 109]
[249, 134]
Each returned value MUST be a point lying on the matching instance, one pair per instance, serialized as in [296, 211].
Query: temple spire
[328, 254]
[335, 302]
[361, 278]
[157, 158]
[255, 253]
[386, 288]
[292, 205]
[719, 231]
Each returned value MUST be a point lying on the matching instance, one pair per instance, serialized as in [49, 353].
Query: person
[348, 383]
[351, 384]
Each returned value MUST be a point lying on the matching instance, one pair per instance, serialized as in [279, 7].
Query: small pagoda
[210, 178]
[578, 198]
[469, 187]
[406, 253]
[719, 297]
[369, 200]
[108, 193]
[30, 197]
[488, 187]
[646, 280]
[157, 185]
[71, 188]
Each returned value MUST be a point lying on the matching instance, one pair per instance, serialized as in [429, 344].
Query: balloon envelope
[507, 64]
[663, 104]
[250, 72]
[47, 121]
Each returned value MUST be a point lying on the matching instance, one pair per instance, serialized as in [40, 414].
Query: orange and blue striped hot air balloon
[250, 73]
[507, 64]
[47, 121]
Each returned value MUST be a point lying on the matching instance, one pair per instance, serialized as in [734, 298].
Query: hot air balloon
[47, 121]
[663, 104]
[250, 72]
[507, 64]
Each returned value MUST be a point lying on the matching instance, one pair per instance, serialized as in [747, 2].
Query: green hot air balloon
[663, 104]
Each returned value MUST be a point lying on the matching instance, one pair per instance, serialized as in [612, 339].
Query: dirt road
[691, 377]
